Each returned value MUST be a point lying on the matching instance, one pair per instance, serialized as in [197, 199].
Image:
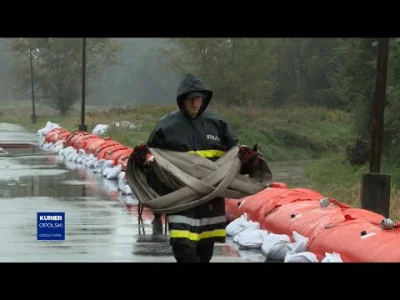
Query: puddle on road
[76, 182]
[98, 227]
[18, 170]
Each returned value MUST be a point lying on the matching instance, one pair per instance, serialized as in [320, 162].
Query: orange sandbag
[107, 152]
[103, 148]
[288, 196]
[232, 209]
[93, 144]
[358, 213]
[123, 159]
[56, 134]
[81, 142]
[358, 240]
[305, 217]
[251, 205]
[63, 136]
[115, 155]
[74, 136]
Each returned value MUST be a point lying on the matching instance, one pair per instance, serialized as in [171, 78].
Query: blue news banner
[50, 226]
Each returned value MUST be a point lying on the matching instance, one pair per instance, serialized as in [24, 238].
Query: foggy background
[144, 77]
[260, 73]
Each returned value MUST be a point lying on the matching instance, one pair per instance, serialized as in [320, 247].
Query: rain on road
[99, 227]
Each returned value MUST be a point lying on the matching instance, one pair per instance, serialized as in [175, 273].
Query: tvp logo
[51, 226]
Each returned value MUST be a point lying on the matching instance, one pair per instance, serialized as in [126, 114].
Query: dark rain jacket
[207, 135]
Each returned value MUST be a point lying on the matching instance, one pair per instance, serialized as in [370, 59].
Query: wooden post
[33, 116]
[375, 187]
[83, 126]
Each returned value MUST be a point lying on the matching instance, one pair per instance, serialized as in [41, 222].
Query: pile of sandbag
[71, 153]
[279, 247]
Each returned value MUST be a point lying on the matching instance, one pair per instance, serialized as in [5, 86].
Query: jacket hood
[189, 84]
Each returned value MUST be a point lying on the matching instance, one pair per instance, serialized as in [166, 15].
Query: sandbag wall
[355, 234]
[329, 226]
[104, 156]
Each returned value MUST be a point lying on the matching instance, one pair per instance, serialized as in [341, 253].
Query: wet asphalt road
[99, 228]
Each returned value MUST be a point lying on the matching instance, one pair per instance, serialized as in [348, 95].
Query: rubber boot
[157, 225]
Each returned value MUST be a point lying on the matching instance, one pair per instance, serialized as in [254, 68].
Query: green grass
[337, 179]
[282, 134]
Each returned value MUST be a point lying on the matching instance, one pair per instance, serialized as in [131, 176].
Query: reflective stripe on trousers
[196, 229]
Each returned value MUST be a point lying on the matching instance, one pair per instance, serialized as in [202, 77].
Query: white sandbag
[105, 171]
[114, 172]
[64, 152]
[252, 239]
[280, 250]
[332, 257]
[300, 243]
[107, 164]
[100, 129]
[250, 226]
[106, 167]
[70, 156]
[301, 257]
[81, 158]
[98, 165]
[90, 163]
[109, 185]
[122, 184]
[125, 190]
[56, 147]
[49, 126]
[237, 225]
[121, 177]
[86, 159]
[75, 157]
[46, 146]
[276, 246]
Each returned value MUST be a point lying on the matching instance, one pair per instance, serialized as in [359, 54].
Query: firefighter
[193, 128]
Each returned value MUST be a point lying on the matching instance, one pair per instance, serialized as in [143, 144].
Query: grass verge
[337, 179]
[282, 134]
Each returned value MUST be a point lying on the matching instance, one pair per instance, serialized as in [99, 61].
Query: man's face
[193, 105]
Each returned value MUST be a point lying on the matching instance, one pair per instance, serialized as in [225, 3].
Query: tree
[58, 67]
[238, 70]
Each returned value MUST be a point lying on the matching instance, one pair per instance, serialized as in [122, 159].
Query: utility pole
[33, 116]
[375, 187]
[83, 126]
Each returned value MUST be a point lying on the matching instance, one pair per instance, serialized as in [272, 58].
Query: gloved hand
[249, 157]
[141, 154]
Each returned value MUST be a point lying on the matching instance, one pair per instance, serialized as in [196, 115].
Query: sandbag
[288, 196]
[75, 136]
[123, 159]
[88, 141]
[312, 222]
[232, 209]
[101, 150]
[113, 153]
[94, 144]
[358, 240]
[280, 219]
[251, 205]
[358, 213]
[56, 134]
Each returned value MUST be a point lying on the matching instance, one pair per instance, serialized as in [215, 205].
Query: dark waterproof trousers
[202, 253]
